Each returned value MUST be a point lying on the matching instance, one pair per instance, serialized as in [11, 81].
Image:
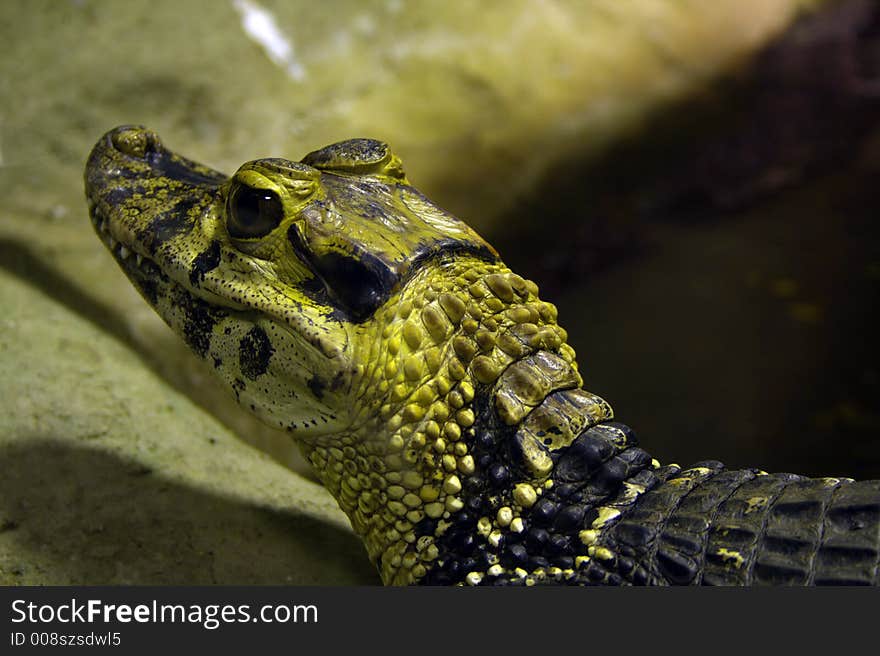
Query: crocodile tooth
[138, 258]
[124, 252]
[112, 242]
[103, 226]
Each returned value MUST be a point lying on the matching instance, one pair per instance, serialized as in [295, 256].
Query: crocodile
[431, 388]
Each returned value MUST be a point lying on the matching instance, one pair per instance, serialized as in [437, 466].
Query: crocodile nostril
[133, 141]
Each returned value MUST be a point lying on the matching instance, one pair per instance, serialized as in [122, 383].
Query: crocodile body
[433, 391]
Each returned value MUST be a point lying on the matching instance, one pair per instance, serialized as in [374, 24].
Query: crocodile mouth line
[125, 256]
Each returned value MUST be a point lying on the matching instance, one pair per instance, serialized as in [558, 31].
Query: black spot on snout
[199, 324]
[204, 262]
[183, 170]
[254, 352]
[174, 221]
[317, 385]
[118, 196]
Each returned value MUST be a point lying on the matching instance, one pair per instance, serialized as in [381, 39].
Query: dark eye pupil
[253, 213]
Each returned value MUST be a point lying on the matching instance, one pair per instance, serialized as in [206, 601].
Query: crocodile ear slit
[357, 285]
[358, 289]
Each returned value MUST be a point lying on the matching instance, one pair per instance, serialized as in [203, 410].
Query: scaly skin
[431, 388]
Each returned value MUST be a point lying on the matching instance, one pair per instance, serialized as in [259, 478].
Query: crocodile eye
[253, 213]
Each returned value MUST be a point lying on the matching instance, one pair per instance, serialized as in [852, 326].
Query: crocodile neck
[466, 403]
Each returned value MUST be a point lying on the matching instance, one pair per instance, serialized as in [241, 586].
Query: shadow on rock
[19, 260]
[76, 515]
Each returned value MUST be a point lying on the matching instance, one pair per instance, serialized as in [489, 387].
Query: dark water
[719, 276]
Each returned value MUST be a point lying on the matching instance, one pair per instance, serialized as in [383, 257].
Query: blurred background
[693, 184]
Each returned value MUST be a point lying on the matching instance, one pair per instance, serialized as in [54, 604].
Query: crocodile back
[713, 526]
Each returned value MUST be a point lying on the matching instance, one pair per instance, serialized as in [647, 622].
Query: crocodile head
[420, 376]
[274, 275]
